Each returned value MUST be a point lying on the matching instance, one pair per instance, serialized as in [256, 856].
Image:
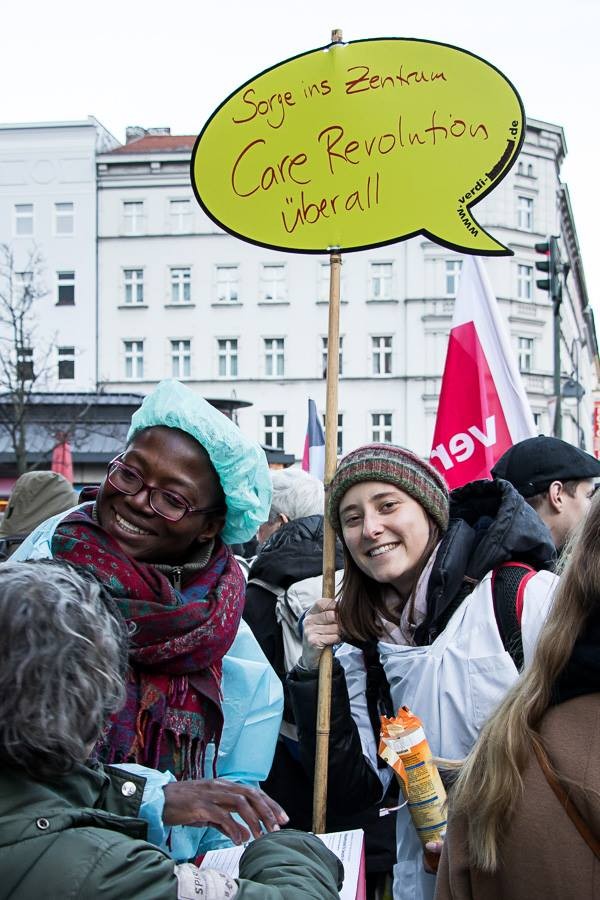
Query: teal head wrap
[240, 464]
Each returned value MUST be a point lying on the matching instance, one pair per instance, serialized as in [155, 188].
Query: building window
[381, 352]
[134, 359]
[227, 354]
[273, 283]
[180, 216]
[23, 219]
[64, 218]
[274, 357]
[324, 342]
[340, 428]
[530, 171]
[181, 359]
[525, 213]
[23, 285]
[181, 285]
[25, 364]
[380, 281]
[525, 347]
[323, 283]
[66, 289]
[66, 363]
[134, 285]
[453, 270]
[524, 282]
[227, 284]
[274, 430]
[381, 428]
[133, 216]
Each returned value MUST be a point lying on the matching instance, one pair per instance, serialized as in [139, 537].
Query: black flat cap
[533, 464]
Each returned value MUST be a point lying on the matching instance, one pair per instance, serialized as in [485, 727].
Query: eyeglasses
[164, 503]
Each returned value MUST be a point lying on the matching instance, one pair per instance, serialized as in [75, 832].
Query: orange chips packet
[405, 748]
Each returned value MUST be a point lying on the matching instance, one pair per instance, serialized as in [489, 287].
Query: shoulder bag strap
[571, 810]
[509, 581]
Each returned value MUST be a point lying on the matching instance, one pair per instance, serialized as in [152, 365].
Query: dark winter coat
[292, 554]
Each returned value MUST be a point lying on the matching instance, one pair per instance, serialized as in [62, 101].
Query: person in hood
[35, 497]
[417, 592]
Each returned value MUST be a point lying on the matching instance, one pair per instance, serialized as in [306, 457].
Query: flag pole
[331, 427]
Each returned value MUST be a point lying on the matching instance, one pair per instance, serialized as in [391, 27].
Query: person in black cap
[556, 479]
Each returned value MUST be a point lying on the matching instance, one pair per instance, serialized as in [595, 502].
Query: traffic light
[550, 265]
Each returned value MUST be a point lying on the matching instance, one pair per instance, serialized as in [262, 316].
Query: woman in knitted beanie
[414, 623]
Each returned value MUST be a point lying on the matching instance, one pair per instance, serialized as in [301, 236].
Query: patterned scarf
[177, 642]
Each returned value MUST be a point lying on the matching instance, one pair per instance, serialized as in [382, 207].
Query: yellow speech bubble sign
[361, 144]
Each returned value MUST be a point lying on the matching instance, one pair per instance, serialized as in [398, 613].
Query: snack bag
[404, 747]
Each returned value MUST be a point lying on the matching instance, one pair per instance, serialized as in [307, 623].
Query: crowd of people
[158, 696]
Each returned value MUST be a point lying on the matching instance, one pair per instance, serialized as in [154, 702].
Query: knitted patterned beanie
[394, 465]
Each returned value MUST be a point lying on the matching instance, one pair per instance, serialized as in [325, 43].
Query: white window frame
[274, 357]
[24, 213]
[525, 207]
[525, 353]
[64, 216]
[381, 279]
[227, 357]
[180, 285]
[340, 431]
[382, 350]
[181, 357]
[65, 280]
[324, 344]
[23, 283]
[134, 217]
[133, 354]
[24, 356]
[273, 283]
[453, 268]
[524, 282]
[382, 427]
[65, 355]
[180, 215]
[227, 290]
[133, 286]
[274, 430]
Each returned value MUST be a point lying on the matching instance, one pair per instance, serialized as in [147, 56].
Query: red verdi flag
[313, 458]
[483, 407]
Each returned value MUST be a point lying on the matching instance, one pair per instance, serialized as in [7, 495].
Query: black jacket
[291, 554]
[490, 524]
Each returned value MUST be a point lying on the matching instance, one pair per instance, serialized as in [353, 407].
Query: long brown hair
[490, 784]
[362, 604]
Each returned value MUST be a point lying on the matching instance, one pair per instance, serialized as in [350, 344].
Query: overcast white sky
[150, 63]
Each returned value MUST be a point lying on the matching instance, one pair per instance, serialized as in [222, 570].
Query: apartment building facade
[48, 225]
[179, 297]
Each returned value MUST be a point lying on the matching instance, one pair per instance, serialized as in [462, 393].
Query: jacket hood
[505, 527]
[293, 553]
[490, 523]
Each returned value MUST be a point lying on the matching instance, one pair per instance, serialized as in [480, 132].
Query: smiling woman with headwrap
[156, 535]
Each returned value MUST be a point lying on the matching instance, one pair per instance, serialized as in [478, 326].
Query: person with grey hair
[296, 494]
[73, 828]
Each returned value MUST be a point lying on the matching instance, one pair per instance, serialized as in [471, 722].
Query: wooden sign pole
[331, 428]
[326, 662]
